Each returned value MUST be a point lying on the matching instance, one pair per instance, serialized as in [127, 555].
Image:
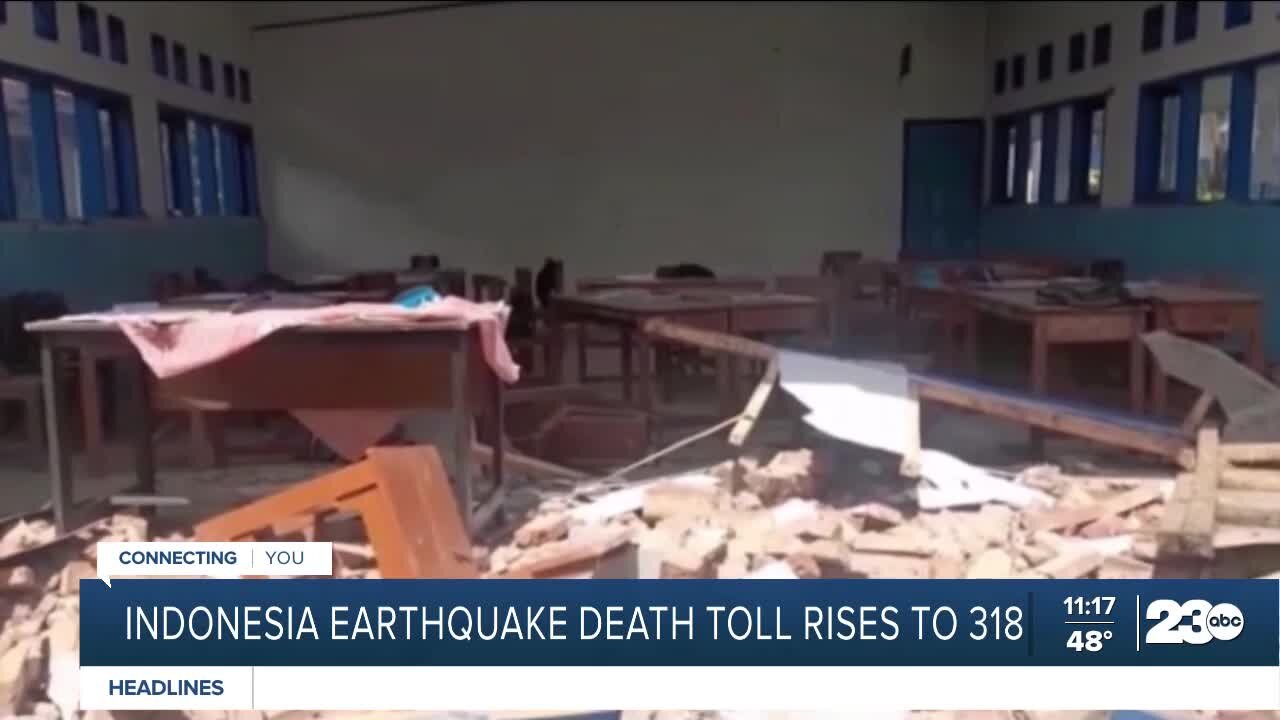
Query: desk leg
[144, 427]
[91, 414]
[462, 432]
[627, 354]
[725, 368]
[644, 370]
[500, 432]
[1039, 377]
[1137, 369]
[1254, 354]
[60, 480]
[1160, 381]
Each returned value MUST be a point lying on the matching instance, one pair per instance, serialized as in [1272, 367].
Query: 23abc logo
[1194, 622]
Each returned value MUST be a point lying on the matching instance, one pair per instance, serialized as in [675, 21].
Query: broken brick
[542, 529]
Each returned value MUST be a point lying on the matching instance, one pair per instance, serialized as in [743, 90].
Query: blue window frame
[159, 55]
[1153, 28]
[1044, 63]
[1186, 16]
[1019, 70]
[209, 165]
[1211, 135]
[90, 35]
[117, 41]
[229, 80]
[206, 73]
[44, 18]
[1238, 12]
[66, 150]
[1050, 154]
[180, 67]
[1102, 45]
[246, 90]
[1075, 52]
[1002, 67]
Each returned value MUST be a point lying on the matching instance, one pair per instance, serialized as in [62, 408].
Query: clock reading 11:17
[1089, 606]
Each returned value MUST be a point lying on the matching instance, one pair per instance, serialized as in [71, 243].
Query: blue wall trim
[99, 265]
[1236, 241]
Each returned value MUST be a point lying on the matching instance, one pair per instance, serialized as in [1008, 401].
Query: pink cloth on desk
[172, 343]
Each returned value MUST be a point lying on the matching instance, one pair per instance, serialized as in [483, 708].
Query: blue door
[941, 188]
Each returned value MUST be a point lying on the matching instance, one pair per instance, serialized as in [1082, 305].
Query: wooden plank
[747, 420]
[1251, 452]
[720, 342]
[1187, 529]
[1061, 420]
[1258, 479]
[1249, 508]
[1074, 517]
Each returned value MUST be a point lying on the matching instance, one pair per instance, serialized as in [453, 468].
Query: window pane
[1215, 126]
[1264, 180]
[1170, 107]
[1010, 160]
[1097, 121]
[22, 151]
[167, 163]
[1033, 162]
[197, 197]
[109, 166]
[69, 152]
[218, 139]
[1062, 167]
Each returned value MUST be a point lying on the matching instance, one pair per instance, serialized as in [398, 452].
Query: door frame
[980, 150]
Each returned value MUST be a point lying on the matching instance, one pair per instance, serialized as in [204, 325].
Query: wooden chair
[26, 390]
[488, 288]
[403, 497]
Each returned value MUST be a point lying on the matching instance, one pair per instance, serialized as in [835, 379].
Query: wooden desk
[1197, 311]
[746, 283]
[1057, 325]
[627, 310]
[338, 367]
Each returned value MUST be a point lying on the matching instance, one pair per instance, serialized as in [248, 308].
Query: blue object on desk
[928, 277]
[416, 297]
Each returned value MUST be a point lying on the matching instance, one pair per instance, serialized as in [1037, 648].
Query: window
[1062, 157]
[70, 151]
[208, 165]
[229, 80]
[1011, 162]
[180, 64]
[159, 55]
[117, 43]
[44, 16]
[1167, 173]
[1044, 63]
[1238, 12]
[1004, 160]
[1264, 175]
[1215, 130]
[1097, 133]
[1101, 45]
[206, 73]
[246, 92]
[4, 13]
[1075, 53]
[1035, 146]
[25, 203]
[1019, 70]
[1152, 28]
[1185, 17]
[1001, 68]
[90, 37]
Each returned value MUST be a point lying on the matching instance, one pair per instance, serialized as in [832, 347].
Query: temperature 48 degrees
[1087, 640]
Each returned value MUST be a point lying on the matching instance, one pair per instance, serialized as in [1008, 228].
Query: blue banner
[654, 622]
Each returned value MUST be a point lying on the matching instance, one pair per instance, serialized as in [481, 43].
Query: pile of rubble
[787, 518]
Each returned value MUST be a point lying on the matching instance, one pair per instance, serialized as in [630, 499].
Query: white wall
[206, 27]
[615, 135]
[1022, 27]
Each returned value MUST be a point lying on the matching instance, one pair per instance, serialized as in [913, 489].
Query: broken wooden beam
[708, 340]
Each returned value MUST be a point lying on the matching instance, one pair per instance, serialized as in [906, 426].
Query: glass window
[1153, 28]
[1167, 176]
[1035, 136]
[1097, 131]
[1215, 128]
[109, 166]
[218, 140]
[1062, 165]
[180, 63]
[1264, 173]
[64, 104]
[197, 197]
[1075, 52]
[166, 164]
[1010, 160]
[117, 44]
[22, 150]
